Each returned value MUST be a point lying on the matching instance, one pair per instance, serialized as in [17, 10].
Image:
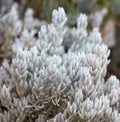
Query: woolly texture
[54, 82]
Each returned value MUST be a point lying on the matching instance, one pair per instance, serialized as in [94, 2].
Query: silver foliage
[48, 83]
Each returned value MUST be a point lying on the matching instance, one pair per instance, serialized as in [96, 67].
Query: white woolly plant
[51, 84]
[17, 33]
